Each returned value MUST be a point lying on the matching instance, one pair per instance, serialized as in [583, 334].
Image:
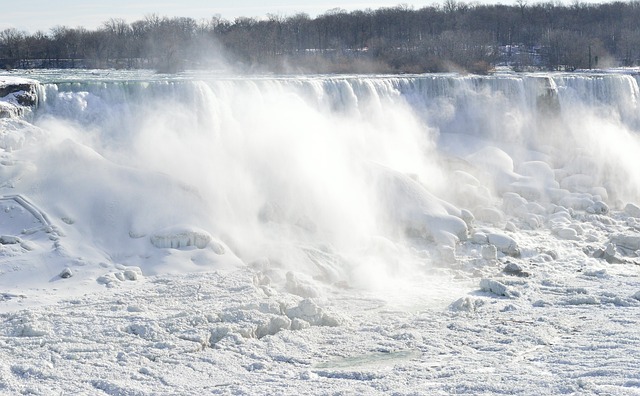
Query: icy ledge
[17, 95]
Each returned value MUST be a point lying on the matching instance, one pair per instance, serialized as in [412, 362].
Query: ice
[415, 208]
[632, 210]
[181, 237]
[417, 234]
[504, 243]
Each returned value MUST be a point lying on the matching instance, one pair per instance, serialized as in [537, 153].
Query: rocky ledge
[17, 96]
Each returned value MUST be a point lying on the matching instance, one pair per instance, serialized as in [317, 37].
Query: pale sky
[33, 15]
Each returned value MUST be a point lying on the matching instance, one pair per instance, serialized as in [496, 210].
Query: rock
[504, 243]
[66, 273]
[130, 275]
[9, 240]
[25, 93]
[598, 207]
[514, 269]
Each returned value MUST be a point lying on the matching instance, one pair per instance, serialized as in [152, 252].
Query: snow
[429, 234]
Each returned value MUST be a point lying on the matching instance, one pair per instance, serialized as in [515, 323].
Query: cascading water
[342, 178]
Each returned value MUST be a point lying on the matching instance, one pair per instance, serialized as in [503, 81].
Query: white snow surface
[415, 235]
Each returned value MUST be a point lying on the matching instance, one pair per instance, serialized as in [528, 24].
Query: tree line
[449, 36]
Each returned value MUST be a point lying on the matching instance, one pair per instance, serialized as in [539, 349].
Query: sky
[34, 15]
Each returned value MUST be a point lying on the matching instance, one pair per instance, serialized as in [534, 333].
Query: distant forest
[444, 37]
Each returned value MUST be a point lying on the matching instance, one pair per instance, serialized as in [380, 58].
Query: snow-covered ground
[408, 235]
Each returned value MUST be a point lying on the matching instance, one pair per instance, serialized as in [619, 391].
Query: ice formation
[343, 233]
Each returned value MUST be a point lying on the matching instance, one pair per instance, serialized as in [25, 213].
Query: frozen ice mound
[181, 237]
[412, 206]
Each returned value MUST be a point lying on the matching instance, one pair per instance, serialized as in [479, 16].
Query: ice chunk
[497, 288]
[627, 241]
[489, 252]
[632, 210]
[504, 243]
[181, 237]
[308, 311]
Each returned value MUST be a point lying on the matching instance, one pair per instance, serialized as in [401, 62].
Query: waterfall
[315, 171]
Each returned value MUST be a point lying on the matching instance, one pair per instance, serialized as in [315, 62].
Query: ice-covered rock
[566, 233]
[10, 240]
[514, 269]
[504, 243]
[497, 288]
[629, 241]
[24, 91]
[632, 210]
[598, 207]
[181, 237]
[66, 273]
[480, 238]
[17, 96]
